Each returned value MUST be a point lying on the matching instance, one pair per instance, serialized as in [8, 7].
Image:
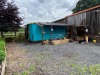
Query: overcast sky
[44, 10]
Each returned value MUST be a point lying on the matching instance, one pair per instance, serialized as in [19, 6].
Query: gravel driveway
[37, 59]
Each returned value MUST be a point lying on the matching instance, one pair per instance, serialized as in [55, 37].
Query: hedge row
[2, 50]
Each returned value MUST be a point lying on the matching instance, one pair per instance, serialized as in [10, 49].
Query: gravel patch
[37, 59]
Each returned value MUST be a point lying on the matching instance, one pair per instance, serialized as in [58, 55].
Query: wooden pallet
[62, 41]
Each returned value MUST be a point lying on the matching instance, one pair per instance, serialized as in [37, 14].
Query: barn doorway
[77, 32]
[81, 31]
[70, 31]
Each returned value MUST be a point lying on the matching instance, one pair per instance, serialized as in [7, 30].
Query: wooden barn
[86, 22]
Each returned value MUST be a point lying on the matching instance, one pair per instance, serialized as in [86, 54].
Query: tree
[2, 4]
[84, 4]
[2, 7]
[9, 19]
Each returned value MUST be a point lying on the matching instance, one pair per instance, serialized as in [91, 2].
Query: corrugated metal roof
[98, 6]
[53, 24]
[58, 20]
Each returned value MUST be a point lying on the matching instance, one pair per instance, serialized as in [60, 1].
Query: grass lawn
[11, 35]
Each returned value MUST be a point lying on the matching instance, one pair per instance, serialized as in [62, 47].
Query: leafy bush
[20, 37]
[2, 56]
[2, 52]
[2, 44]
[1, 39]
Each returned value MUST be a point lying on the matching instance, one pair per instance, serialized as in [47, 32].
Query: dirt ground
[37, 59]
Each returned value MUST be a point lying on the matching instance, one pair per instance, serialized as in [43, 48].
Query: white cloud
[44, 10]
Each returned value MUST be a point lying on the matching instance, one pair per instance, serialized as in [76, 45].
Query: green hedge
[2, 50]
[2, 56]
[2, 44]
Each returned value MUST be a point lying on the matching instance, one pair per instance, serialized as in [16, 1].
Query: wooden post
[2, 34]
[51, 35]
[42, 34]
[68, 32]
[74, 32]
[86, 36]
[26, 34]
[15, 35]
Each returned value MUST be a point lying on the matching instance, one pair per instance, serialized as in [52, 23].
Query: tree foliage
[2, 4]
[84, 4]
[9, 16]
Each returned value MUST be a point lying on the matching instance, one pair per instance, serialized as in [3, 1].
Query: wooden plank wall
[90, 18]
[61, 21]
[71, 20]
[93, 19]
